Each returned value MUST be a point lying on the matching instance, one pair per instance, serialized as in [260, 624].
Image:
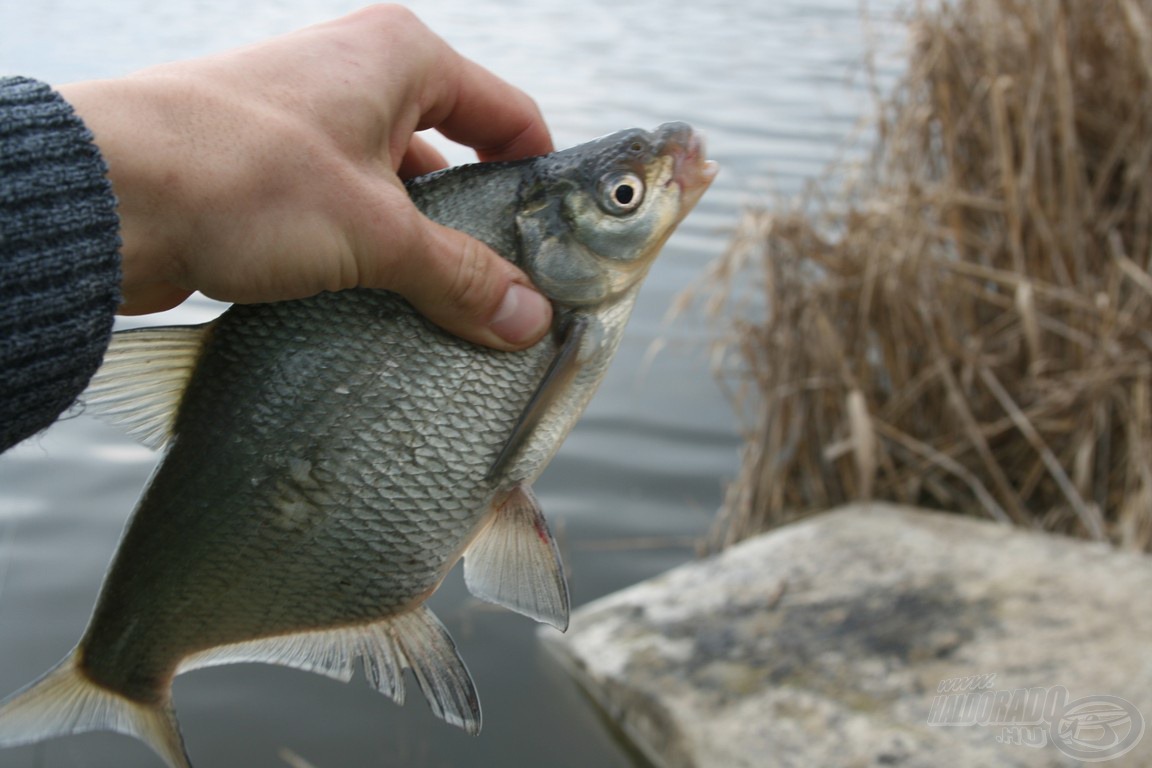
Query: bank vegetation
[966, 322]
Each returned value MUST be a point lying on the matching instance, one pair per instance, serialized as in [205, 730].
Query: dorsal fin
[514, 562]
[143, 378]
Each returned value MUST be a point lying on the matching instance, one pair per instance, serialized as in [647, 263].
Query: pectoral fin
[514, 562]
[555, 381]
[143, 378]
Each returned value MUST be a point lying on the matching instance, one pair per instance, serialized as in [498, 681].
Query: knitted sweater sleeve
[59, 258]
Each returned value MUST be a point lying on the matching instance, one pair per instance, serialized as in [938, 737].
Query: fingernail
[524, 314]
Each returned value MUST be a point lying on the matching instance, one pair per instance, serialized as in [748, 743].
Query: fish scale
[383, 569]
[329, 459]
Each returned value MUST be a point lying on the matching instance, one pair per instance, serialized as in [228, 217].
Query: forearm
[59, 262]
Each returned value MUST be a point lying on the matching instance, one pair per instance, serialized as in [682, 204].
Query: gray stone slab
[831, 642]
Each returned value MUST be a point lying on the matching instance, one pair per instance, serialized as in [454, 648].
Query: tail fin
[65, 701]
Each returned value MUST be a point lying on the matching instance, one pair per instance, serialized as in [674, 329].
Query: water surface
[776, 86]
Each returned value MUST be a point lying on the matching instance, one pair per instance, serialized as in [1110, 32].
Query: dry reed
[967, 323]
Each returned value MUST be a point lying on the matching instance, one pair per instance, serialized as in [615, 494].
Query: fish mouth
[692, 171]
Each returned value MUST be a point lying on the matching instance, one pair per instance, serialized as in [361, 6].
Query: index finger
[480, 110]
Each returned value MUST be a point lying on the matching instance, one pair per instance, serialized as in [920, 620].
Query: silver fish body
[330, 459]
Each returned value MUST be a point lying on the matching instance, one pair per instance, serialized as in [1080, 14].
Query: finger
[464, 287]
[480, 110]
[421, 158]
[516, 132]
[455, 280]
[430, 85]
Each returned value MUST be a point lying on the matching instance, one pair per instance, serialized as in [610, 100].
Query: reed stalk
[966, 324]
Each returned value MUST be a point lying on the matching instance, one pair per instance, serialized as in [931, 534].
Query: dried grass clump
[969, 325]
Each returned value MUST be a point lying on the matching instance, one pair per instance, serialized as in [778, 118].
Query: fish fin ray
[141, 383]
[415, 640]
[65, 701]
[331, 653]
[555, 381]
[515, 562]
[440, 672]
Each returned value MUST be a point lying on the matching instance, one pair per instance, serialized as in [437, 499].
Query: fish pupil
[625, 194]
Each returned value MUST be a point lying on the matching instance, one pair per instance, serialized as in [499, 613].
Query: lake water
[776, 86]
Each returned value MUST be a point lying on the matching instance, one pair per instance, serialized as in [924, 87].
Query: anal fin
[414, 640]
[438, 668]
[514, 562]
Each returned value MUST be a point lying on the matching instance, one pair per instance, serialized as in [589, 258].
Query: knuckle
[391, 17]
[467, 288]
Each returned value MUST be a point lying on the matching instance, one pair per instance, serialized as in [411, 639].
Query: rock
[854, 638]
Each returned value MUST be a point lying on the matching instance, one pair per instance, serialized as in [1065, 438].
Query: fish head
[594, 217]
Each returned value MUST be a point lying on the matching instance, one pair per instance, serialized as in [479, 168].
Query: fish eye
[622, 193]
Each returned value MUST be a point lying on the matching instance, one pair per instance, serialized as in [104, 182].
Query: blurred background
[776, 87]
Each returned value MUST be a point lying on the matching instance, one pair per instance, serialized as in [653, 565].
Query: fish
[328, 460]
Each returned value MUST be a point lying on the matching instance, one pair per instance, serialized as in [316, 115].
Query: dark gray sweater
[59, 258]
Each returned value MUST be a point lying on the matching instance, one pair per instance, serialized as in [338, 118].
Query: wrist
[129, 119]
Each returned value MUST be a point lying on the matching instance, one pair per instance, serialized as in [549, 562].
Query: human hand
[274, 172]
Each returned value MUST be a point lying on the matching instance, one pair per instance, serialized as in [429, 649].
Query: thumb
[467, 289]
